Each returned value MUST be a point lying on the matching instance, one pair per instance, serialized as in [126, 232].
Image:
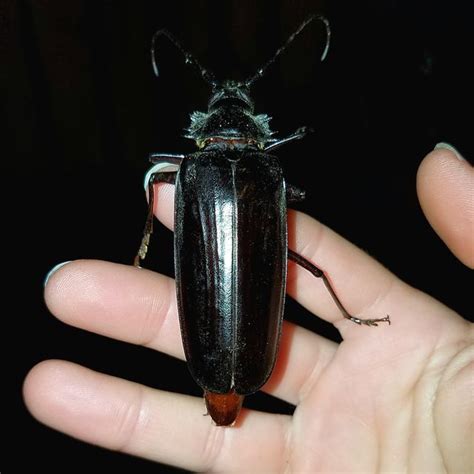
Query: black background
[83, 110]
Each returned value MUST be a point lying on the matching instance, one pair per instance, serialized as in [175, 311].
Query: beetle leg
[158, 177]
[172, 158]
[294, 194]
[306, 264]
[297, 135]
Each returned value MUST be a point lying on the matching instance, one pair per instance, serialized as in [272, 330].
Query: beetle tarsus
[294, 194]
[142, 251]
[303, 131]
[298, 134]
[368, 322]
[317, 272]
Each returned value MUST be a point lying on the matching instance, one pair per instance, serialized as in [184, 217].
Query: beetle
[230, 238]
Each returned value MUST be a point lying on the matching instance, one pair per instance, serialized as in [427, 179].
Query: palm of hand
[387, 403]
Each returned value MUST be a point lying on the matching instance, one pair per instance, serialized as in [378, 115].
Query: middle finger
[139, 306]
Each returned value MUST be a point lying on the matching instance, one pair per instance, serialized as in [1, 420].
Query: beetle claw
[369, 322]
[304, 130]
[373, 322]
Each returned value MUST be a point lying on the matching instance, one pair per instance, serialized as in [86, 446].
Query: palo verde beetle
[230, 239]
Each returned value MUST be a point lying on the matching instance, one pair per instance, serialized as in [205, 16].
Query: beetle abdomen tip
[223, 407]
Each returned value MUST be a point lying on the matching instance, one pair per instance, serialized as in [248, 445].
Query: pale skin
[388, 399]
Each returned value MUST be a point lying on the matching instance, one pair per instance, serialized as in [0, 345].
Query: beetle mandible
[230, 238]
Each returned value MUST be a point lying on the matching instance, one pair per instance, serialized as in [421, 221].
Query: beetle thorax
[230, 120]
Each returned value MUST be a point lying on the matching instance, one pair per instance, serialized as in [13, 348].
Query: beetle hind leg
[317, 272]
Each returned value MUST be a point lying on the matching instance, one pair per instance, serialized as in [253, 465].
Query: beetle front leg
[163, 171]
[297, 135]
[317, 272]
[169, 158]
[294, 194]
[159, 177]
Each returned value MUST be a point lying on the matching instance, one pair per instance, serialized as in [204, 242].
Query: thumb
[445, 186]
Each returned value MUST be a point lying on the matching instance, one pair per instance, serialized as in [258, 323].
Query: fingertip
[82, 403]
[451, 148]
[444, 186]
[164, 204]
[162, 167]
[118, 301]
[39, 387]
[67, 281]
[53, 271]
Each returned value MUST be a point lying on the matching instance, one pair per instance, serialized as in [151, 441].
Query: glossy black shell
[230, 262]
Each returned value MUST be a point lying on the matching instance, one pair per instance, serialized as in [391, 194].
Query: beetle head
[231, 92]
[230, 115]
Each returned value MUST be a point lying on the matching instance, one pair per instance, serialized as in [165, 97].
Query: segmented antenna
[208, 76]
[261, 71]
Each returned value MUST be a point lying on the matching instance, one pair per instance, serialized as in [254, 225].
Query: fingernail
[146, 180]
[159, 167]
[54, 270]
[447, 146]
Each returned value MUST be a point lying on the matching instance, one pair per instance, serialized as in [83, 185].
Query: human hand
[392, 398]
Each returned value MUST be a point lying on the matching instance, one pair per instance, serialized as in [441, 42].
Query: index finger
[357, 279]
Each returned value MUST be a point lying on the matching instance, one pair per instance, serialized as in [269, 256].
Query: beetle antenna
[208, 76]
[261, 71]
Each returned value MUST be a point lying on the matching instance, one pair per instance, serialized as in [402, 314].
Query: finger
[151, 424]
[139, 306]
[359, 280]
[445, 184]
[164, 204]
[119, 301]
[367, 290]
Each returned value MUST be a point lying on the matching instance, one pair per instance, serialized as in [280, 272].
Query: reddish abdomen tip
[223, 407]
